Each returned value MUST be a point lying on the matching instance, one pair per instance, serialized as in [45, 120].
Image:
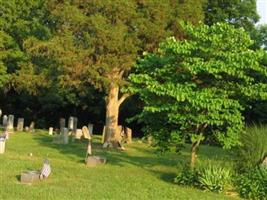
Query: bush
[252, 184]
[187, 177]
[214, 178]
[253, 148]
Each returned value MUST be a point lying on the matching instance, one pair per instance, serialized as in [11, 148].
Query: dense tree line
[61, 58]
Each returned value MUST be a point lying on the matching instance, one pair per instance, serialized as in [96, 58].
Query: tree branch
[123, 97]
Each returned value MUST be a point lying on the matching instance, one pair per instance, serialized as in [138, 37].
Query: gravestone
[79, 134]
[20, 124]
[10, 123]
[30, 176]
[128, 135]
[5, 120]
[93, 161]
[65, 134]
[62, 123]
[75, 124]
[31, 128]
[86, 133]
[90, 128]
[50, 132]
[27, 129]
[71, 123]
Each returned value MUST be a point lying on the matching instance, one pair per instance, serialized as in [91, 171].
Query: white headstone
[20, 124]
[50, 132]
[71, 123]
[90, 128]
[5, 120]
[79, 134]
[10, 122]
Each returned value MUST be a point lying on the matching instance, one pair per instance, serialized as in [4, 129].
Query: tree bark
[194, 154]
[112, 113]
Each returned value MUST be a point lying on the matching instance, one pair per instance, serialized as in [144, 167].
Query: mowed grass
[137, 173]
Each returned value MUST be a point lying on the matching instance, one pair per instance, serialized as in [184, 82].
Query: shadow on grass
[141, 156]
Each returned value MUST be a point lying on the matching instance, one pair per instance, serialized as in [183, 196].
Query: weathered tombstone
[128, 135]
[5, 120]
[2, 145]
[93, 161]
[50, 132]
[20, 124]
[10, 122]
[75, 124]
[62, 123]
[86, 133]
[27, 128]
[30, 176]
[79, 134]
[90, 128]
[65, 134]
[31, 128]
[0, 112]
[71, 123]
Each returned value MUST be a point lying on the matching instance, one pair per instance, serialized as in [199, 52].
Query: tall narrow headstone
[5, 120]
[20, 124]
[62, 123]
[104, 135]
[50, 132]
[75, 124]
[10, 122]
[90, 128]
[65, 134]
[128, 135]
[31, 128]
[71, 123]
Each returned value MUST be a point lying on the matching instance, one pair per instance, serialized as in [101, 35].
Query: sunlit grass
[138, 173]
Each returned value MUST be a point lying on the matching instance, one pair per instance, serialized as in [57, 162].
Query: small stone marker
[30, 176]
[31, 129]
[90, 128]
[10, 123]
[50, 132]
[93, 161]
[86, 133]
[2, 145]
[128, 135]
[65, 136]
[75, 124]
[5, 120]
[27, 129]
[20, 124]
[79, 134]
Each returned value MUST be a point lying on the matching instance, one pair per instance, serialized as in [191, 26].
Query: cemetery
[133, 99]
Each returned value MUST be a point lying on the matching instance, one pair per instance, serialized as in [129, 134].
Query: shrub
[253, 148]
[214, 178]
[187, 177]
[209, 177]
[252, 184]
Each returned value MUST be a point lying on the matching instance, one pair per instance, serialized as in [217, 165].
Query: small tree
[196, 88]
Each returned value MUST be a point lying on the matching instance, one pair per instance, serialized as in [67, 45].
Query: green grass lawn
[138, 173]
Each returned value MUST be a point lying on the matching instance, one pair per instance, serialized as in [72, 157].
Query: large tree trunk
[112, 113]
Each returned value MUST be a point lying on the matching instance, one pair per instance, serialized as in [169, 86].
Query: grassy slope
[138, 173]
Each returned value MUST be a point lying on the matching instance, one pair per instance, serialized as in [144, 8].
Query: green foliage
[214, 178]
[253, 149]
[210, 177]
[252, 184]
[199, 86]
[187, 177]
[240, 13]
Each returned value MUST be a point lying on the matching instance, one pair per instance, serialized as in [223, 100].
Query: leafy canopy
[193, 89]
